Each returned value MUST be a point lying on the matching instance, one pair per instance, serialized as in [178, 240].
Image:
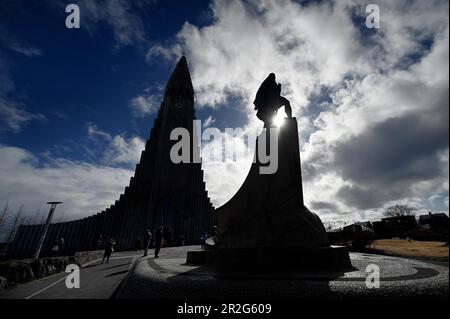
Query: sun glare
[278, 120]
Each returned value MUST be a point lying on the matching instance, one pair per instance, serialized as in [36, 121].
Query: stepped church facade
[161, 193]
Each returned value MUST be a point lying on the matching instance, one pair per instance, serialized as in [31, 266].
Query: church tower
[172, 195]
[177, 198]
[161, 193]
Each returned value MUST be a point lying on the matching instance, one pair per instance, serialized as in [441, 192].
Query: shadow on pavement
[216, 283]
[117, 273]
[90, 266]
[115, 266]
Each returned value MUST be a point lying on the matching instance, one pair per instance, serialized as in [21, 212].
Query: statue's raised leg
[287, 106]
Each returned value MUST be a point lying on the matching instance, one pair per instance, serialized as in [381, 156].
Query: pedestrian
[202, 240]
[55, 248]
[146, 241]
[158, 241]
[61, 246]
[109, 249]
[180, 241]
[167, 235]
[138, 243]
[214, 231]
[100, 242]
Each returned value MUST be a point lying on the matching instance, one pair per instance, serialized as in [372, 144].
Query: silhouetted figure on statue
[268, 100]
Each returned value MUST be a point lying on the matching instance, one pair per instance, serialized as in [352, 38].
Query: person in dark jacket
[158, 241]
[61, 246]
[100, 242]
[109, 249]
[146, 241]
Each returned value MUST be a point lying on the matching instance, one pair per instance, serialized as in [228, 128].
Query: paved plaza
[131, 276]
[169, 277]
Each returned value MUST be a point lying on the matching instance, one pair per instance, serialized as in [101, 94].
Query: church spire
[180, 81]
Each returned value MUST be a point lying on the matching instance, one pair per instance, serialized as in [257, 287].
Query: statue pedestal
[273, 258]
[268, 209]
[266, 218]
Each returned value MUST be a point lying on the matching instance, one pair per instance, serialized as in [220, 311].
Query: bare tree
[61, 217]
[37, 217]
[42, 218]
[399, 210]
[14, 227]
[4, 213]
[25, 220]
[330, 225]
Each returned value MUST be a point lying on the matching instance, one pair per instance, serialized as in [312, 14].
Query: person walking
[202, 241]
[138, 243]
[109, 249]
[100, 242]
[158, 241]
[146, 241]
[61, 246]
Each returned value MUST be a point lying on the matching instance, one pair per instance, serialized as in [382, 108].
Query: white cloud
[248, 41]
[226, 161]
[168, 53]
[209, 121]
[125, 151]
[433, 199]
[117, 149]
[84, 188]
[126, 25]
[372, 79]
[144, 105]
[16, 44]
[26, 50]
[13, 114]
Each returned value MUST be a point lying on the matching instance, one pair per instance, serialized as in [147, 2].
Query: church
[160, 194]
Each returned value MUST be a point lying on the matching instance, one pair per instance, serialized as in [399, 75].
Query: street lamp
[47, 224]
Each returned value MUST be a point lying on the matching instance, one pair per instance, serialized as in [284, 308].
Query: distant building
[436, 222]
[358, 227]
[397, 226]
[356, 235]
[428, 227]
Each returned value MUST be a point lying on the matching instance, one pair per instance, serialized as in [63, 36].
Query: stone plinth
[266, 225]
[268, 209]
[273, 259]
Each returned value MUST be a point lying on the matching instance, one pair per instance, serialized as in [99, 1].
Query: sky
[76, 105]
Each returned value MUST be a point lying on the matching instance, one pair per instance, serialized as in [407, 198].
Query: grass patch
[430, 250]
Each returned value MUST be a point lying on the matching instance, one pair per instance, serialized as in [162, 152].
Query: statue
[268, 100]
[266, 222]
